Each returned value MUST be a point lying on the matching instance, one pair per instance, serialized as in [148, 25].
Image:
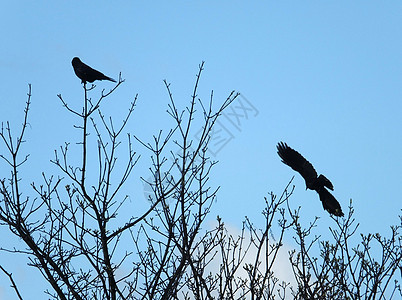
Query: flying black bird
[86, 73]
[297, 162]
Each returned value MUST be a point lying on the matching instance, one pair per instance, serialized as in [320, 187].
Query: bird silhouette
[86, 73]
[320, 183]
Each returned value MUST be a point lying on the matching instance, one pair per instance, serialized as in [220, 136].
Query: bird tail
[108, 78]
[329, 202]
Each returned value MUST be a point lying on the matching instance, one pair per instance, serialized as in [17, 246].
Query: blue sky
[325, 77]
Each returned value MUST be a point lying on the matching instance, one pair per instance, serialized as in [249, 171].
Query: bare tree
[342, 271]
[74, 235]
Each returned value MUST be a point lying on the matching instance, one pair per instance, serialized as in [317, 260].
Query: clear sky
[324, 77]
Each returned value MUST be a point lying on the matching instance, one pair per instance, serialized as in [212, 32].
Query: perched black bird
[297, 162]
[86, 73]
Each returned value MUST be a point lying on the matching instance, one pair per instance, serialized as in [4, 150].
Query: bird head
[75, 60]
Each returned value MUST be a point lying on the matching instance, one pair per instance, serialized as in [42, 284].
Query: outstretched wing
[324, 181]
[329, 202]
[298, 163]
